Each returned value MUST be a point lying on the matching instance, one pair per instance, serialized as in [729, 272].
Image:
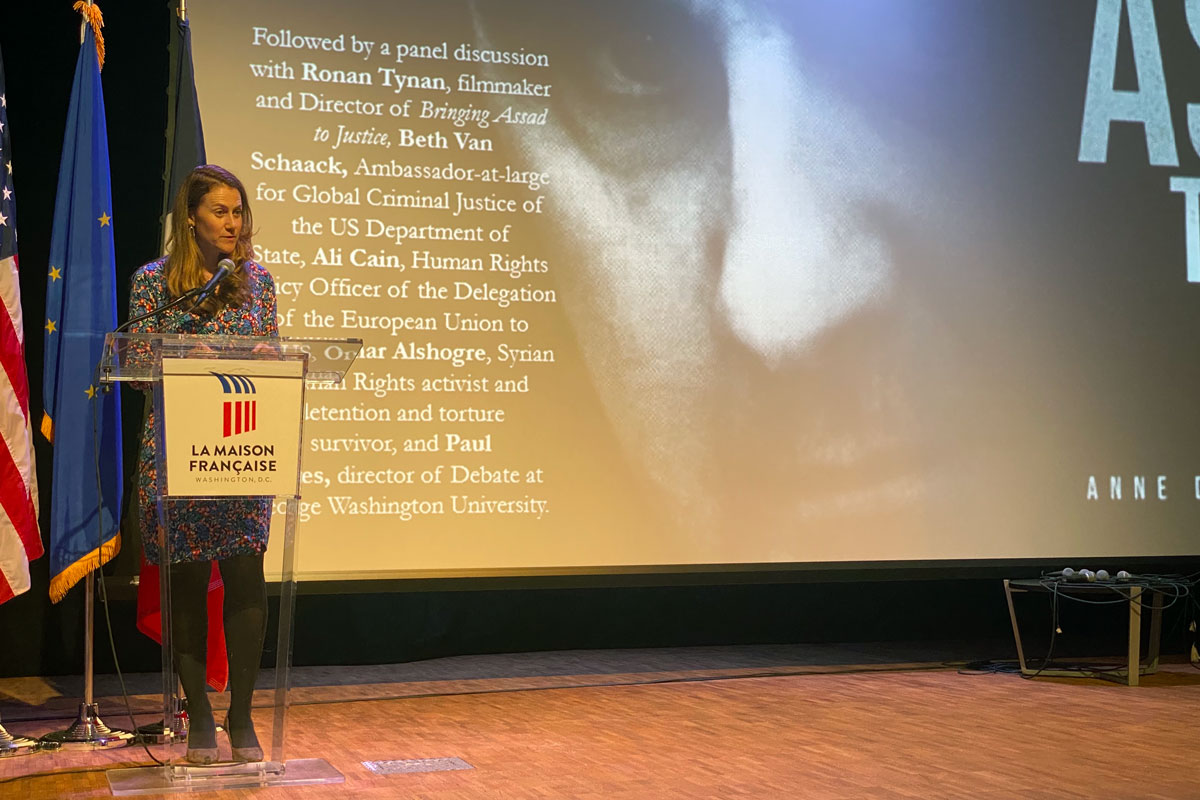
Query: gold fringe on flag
[91, 14]
[47, 427]
[61, 583]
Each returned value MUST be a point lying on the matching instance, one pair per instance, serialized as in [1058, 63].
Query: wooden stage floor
[910, 731]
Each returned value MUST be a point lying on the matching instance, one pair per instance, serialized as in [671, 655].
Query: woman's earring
[192, 228]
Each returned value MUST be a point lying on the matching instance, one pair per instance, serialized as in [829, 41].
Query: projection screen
[668, 283]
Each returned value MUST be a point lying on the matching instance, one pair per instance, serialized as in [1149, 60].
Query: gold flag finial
[91, 15]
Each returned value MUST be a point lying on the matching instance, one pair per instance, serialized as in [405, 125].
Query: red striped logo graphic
[240, 415]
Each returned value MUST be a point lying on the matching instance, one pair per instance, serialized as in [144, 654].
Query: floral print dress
[201, 530]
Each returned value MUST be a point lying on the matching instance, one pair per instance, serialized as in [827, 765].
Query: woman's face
[217, 223]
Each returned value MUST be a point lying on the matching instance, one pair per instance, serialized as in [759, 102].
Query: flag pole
[88, 732]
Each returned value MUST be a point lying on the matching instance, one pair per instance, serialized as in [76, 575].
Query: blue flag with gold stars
[81, 306]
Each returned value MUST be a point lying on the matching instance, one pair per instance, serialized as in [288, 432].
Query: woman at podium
[210, 236]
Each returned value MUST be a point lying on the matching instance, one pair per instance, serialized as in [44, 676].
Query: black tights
[245, 616]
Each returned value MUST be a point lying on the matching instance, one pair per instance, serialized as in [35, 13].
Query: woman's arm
[142, 300]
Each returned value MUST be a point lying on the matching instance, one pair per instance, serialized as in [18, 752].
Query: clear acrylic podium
[229, 414]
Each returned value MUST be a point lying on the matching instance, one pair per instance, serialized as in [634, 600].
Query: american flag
[20, 540]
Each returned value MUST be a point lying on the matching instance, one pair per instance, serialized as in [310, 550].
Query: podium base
[182, 778]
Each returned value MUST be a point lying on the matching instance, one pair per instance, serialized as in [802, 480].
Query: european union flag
[81, 306]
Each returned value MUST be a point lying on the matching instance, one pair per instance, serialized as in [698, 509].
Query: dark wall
[40, 45]
[965, 615]
[362, 623]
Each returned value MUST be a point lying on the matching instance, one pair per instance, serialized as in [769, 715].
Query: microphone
[224, 267]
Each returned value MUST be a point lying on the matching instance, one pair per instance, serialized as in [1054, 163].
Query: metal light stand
[88, 731]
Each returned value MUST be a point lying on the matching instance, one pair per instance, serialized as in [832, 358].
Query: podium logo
[240, 415]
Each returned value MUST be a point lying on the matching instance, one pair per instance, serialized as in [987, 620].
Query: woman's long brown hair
[185, 266]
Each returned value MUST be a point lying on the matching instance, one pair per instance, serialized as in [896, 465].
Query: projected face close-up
[803, 281]
[723, 211]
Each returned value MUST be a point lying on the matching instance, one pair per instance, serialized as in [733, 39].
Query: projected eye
[636, 85]
[629, 67]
